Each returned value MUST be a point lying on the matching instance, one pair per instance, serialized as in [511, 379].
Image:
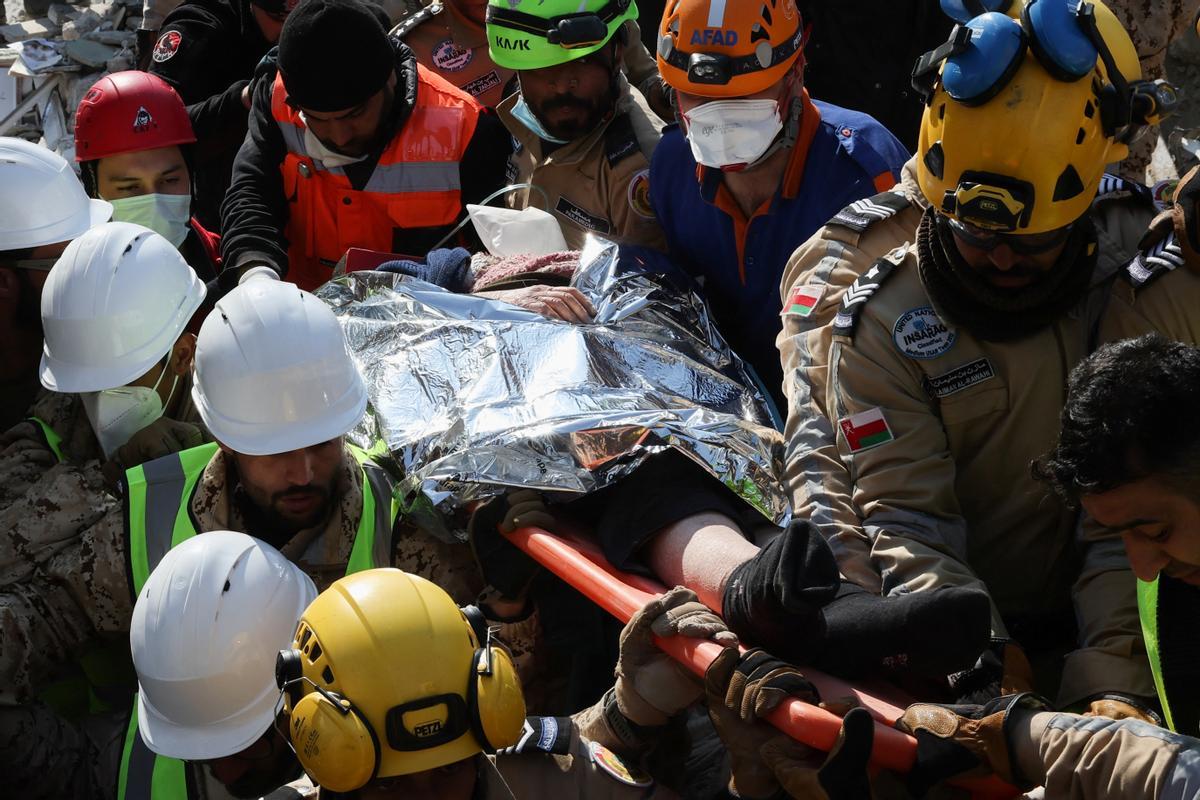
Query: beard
[588, 114]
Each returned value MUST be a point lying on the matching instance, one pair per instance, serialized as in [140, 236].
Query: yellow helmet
[1023, 117]
[387, 676]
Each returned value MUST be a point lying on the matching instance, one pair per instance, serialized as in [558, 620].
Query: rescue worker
[135, 145]
[206, 668]
[582, 137]
[449, 38]
[814, 282]
[1000, 293]
[42, 208]
[208, 51]
[368, 150]
[1127, 453]
[281, 471]
[772, 165]
[116, 366]
[392, 650]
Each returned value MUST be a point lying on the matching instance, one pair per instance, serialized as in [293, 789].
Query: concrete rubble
[92, 38]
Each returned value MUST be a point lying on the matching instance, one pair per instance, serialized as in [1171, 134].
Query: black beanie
[334, 54]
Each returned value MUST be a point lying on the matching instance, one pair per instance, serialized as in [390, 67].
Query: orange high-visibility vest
[415, 183]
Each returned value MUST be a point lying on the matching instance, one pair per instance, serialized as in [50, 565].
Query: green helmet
[532, 34]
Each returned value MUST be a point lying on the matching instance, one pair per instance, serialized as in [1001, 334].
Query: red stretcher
[581, 564]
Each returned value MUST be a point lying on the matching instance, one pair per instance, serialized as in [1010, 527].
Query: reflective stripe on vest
[415, 184]
[1147, 595]
[159, 493]
[53, 440]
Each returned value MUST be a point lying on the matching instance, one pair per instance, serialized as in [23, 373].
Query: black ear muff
[288, 671]
[335, 744]
[482, 660]
[478, 622]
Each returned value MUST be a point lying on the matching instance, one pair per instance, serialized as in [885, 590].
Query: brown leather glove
[964, 740]
[1185, 215]
[741, 690]
[842, 776]
[1116, 707]
[160, 438]
[651, 686]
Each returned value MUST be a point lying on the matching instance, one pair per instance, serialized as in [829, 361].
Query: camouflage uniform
[1153, 25]
[44, 504]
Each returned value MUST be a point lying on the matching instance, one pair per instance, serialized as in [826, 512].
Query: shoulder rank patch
[609, 763]
[545, 735]
[411, 23]
[1150, 265]
[861, 291]
[620, 140]
[861, 214]
[1116, 188]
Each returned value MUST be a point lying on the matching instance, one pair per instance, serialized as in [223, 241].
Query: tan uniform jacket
[825, 266]
[598, 184]
[457, 49]
[937, 430]
[1094, 758]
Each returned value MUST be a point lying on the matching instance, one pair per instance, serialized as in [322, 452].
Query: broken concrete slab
[113, 38]
[88, 53]
[60, 13]
[41, 28]
[86, 22]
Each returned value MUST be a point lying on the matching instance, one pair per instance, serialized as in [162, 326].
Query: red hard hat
[130, 111]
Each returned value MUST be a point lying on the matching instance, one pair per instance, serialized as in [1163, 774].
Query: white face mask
[117, 414]
[728, 134]
[165, 214]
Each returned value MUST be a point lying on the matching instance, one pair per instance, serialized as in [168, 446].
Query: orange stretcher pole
[580, 563]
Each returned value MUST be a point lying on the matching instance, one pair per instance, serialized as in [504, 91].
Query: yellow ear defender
[358, 719]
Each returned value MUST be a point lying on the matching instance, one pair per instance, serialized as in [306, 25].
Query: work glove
[964, 740]
[503, 565]
[1116, 706]
[651, 686]
[741, 690]
[774, 600]
[1002, 669]
[160, 438]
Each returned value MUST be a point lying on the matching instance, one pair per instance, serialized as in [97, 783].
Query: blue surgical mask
[524, 114]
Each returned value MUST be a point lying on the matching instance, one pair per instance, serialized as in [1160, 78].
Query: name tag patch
[961, 378]
[920, 333]
[482, 84]
[582, 218]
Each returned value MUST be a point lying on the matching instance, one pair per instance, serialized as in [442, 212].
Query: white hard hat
[113, 306]
[272, 371]
[41, 200]
[206, 629]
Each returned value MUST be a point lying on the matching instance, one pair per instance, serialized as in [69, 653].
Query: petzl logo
[716, 37]
[512, 44]
[428, 729]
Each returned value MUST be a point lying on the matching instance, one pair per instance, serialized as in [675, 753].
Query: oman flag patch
[866, 430]
[803, 299]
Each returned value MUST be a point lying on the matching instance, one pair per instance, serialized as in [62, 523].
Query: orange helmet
[728, 48]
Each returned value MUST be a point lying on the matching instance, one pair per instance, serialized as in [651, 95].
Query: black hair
[1132, 411]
